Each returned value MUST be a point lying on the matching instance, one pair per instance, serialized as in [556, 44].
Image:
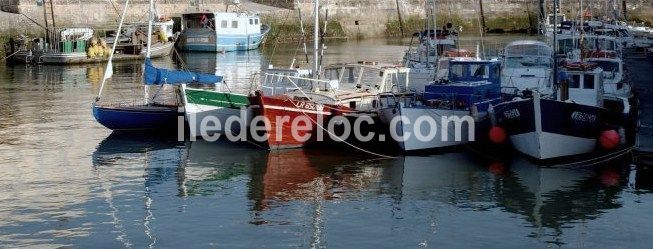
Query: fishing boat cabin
[221, 31]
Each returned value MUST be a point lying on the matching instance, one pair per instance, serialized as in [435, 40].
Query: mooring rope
[332, 134]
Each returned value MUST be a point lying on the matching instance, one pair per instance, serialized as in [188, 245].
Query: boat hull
[159, 50]
[442, 138]
[137, 118]
[205, 105]
[210, 42]
[280, 111]
[547, 129]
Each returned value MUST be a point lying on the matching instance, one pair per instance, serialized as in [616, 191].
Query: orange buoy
[497, 135]
[609, 139]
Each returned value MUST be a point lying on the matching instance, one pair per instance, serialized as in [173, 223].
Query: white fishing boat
[447, 112]
[221, 31]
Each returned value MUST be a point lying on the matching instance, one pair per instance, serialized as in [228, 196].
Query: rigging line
[601, 159]
[114, 8]
[276, 40]
[109, 69]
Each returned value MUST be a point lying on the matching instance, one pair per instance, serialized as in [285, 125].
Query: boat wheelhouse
[527, 66]
[221, 31]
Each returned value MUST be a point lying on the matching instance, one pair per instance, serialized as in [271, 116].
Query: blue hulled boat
[147, 116]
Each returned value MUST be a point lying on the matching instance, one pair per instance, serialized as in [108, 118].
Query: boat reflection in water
[236, 68]
[310, 197]
[554, 199]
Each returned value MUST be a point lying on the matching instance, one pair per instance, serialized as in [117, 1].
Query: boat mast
[555, 45]
[109, 70]
[316, 38]
[149, 29]
[150, 14]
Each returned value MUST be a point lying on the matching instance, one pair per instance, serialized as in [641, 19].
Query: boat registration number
[197, 40]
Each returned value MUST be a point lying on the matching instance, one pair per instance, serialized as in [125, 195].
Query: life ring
[579, 66]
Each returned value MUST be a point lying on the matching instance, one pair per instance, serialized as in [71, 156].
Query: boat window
[457, 71]
[256, 21]
[528, 62]
[223, 24]
[401, 80]
[608, 66]
[234, 24]
[575, 81]
[565, 46]
[496, 71]
[479, 71]
[251, 21]
[588, 81]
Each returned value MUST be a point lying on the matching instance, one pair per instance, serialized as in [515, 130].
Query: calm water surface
[66, 181]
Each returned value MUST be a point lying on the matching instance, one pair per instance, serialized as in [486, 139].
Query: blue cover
[159, 76]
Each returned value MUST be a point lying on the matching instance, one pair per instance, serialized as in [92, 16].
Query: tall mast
[149, 29]
[316, 38]
[555, 42]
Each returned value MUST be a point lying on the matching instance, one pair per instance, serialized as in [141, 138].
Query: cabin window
[234, 24]
[256, 21]
[457, 71]
[588, 81]
[479, 71]
[223, 24]
[575, 81]
[251, 21]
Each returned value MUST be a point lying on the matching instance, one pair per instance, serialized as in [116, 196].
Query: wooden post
[542, 20]
[483, 27]
[45, 20]
[625, 10]
[52, 14]
[401, 19]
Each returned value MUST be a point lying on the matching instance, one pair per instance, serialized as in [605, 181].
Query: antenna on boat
[108, 72]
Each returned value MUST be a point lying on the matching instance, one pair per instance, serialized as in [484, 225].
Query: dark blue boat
[149, 116]
[137, 117]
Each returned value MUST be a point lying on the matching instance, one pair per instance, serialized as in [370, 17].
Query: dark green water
[66, 181]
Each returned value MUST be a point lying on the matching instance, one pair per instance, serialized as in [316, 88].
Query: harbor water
[67, 181]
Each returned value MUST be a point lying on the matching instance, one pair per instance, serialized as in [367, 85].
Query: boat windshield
[608, 66]
[350, 76]
[528, 62]
[472, 72]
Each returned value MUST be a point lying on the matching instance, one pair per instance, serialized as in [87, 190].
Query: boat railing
[459, 101]
[286, 83]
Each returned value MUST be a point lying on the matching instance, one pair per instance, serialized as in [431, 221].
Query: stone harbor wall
[357, 18]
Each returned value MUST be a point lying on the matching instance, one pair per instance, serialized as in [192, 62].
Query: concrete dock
[640, 71]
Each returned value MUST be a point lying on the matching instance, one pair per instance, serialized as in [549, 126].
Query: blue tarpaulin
[159, 76]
